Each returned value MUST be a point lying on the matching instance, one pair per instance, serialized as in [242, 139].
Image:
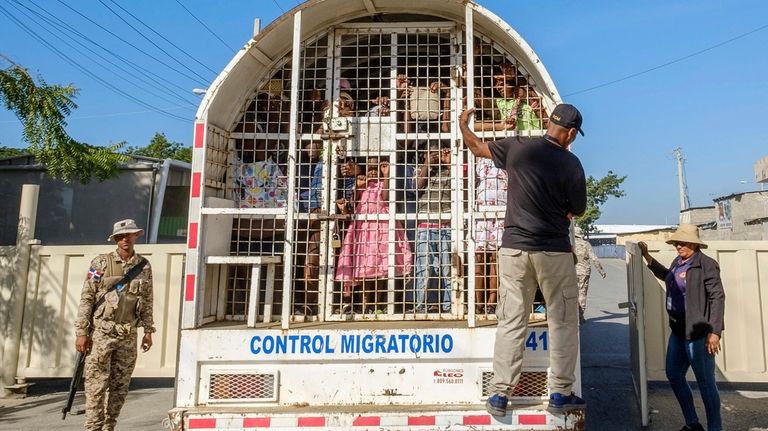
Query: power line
[205, 26]
[37, 37]
[157, 86]
[677, 60]
[132, 45]
[278, 5]
[168, 54]
[163, 37]
[120, 57]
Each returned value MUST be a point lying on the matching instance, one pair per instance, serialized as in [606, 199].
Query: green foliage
[6, 152]
[161, 148]
[598, 192]
[42, 109]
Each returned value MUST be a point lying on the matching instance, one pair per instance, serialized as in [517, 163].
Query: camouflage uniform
[585, 259]
[109, 365]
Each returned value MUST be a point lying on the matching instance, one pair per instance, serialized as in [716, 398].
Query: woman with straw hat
[695, 305]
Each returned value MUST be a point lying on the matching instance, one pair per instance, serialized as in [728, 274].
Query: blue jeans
[433, 251]
[682, 354]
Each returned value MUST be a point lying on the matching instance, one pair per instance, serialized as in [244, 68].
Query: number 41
[533, 342]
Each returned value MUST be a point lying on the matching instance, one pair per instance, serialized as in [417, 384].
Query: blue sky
[710, 104]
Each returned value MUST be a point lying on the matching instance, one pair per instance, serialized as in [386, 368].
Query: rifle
[76, 377]
[80, 358]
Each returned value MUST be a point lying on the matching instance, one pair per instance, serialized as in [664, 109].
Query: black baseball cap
[567, 116]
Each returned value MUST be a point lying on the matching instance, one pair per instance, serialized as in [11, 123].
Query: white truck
[327, 285]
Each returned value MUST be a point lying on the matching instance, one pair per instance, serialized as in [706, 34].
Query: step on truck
[341, 266]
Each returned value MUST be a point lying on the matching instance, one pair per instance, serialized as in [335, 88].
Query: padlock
[335, 241]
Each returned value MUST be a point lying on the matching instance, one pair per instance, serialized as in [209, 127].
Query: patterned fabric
[586, 257]
[365, 250]
[491, 184]
[134, 305]
[491, 192]
[109, 365]
[107, 372]
[260, 185]
[435, 197]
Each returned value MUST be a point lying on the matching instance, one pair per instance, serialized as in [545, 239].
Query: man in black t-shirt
[546, 190]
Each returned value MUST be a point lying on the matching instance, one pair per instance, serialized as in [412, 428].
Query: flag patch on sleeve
[94, 274]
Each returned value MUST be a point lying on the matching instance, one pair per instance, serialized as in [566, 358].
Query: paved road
[607, 385]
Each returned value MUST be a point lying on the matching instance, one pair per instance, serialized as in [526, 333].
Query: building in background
[151, 191]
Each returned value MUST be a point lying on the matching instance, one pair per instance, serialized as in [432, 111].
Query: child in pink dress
[364, 257]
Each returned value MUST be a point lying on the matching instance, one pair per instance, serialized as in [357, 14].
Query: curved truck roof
[249, 69]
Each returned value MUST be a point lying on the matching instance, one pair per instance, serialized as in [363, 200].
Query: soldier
[585, 259]
[107, 334]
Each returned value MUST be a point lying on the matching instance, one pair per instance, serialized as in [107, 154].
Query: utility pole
[685, 201]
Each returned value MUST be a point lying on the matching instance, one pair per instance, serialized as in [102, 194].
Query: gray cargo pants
[520, 272]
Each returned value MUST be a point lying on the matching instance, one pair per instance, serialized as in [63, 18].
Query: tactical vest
[121, 317]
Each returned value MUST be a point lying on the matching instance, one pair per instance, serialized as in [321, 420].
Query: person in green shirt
[519, 105]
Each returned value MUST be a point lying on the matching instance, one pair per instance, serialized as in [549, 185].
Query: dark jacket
[704, 298]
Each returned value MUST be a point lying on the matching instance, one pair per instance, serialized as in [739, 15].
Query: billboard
[724, 219]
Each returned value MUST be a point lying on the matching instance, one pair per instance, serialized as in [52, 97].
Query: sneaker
[497, 405]
[559, 403]
[696, 427]
[419, 309]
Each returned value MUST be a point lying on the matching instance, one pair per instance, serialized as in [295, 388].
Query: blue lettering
[531, 343]
[268, 344]
[392, 347]
[317, 344]
[305, 344]
[348, 344]
[380, 344]
[367, 342]
[254, 340]
[446, 342]
[328, 348]
[294, 339]
[403, 339]
[415, 344]
[428, 344]
[281, 345]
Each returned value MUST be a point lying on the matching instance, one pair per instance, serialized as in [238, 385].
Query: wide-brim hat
[687, 233]
[124, 227]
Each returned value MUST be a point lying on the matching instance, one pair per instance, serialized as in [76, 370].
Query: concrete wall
[698, 216]
[55, 280]
[744, 271]
[656, 235]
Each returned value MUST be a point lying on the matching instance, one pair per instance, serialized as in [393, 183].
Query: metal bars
[359, 179]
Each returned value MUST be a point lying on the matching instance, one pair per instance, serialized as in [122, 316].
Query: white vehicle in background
[270, 338]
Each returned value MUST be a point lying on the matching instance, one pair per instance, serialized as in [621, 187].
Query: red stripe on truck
[532, 419]
[477, 420]
[421, 420]
[317, 421]
[199, 130]
[192, 236]
[202, 423]
[256, 422]
[196, 185]
[364, 421]
[189, 288]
